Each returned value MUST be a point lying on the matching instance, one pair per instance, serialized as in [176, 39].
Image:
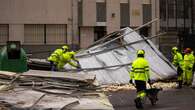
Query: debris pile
[124, 87]
[51, 90]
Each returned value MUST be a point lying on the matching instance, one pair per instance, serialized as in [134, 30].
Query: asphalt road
[170, 99]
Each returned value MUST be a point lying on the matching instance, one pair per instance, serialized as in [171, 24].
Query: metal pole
[124, 45]
[127, 33]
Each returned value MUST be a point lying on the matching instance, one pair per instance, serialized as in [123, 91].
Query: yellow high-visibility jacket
[188, 61]
[177, 59]
[140, 70]
[55, 56]
[67, 58]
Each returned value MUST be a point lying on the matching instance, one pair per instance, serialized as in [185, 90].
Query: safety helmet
[174, 49]
[140, 53]
[187, 50]
[65, 48]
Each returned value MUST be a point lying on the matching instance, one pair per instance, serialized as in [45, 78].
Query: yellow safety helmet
[174, 49]
[140, 53]
[65, 48]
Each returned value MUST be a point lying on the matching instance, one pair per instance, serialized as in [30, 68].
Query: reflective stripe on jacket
[140, 70]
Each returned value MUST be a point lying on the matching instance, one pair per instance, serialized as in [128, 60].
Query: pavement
[169, 99]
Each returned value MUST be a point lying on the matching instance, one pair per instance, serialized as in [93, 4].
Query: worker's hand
[130, 81]
[78, 67]
[149, 81]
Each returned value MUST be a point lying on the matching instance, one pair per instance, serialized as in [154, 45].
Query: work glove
[179, 71]
[130, 81]
[149, 81]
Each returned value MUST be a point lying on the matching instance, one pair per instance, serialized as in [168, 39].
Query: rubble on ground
[42, 90]
[124, 87]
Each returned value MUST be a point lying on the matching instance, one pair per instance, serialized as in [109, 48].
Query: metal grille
[101, 11]
[34, 34]
[56, 34]
[4, 33]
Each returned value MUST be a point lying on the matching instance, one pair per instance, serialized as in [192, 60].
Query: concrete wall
[136, 15]
[86, 36]
[16, 13]
[155, 26]
[113, 15]
[16, 32]
[89, 13]
[35, 11]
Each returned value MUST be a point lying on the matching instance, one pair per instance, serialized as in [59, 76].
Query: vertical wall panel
[124, 14]
[34, 34]
[136, 13]
[113, 15]
[4, 33]
[56, 34]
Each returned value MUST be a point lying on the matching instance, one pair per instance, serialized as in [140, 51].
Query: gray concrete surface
[172, 99]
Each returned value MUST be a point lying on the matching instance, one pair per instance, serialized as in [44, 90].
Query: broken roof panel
[160, 67]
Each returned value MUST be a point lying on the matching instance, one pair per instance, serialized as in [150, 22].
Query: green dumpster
[13, 58]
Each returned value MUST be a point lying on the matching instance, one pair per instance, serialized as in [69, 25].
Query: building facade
[78, 23]
[177, 18]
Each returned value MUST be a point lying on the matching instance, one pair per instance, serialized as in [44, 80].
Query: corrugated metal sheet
[160, 67]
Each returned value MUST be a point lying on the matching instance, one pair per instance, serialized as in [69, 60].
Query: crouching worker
[68, 57]
[140, 74]
[54, 58]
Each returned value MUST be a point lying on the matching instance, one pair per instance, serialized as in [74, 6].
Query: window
[147, 13]
[80, 12]
[124, 14]
[171, 9]
[101, 12]
[163, 10]
[4, 33]
[34, 33]
[45, 33]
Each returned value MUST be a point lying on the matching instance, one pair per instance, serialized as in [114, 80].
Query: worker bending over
[54, 58]
[68, 57]
[140, 74]
[178, 63]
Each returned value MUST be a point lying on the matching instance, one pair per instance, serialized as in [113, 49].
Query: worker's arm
[77, 61]
[175, 63]
[73, 63]
[131, 73]
[147, 70]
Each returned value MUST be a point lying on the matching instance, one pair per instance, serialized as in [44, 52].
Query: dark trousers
[140, 85]
[53, 66]
[179, 76]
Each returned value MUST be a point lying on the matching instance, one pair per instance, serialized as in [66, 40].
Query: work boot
[138, 103]
[179, 86]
